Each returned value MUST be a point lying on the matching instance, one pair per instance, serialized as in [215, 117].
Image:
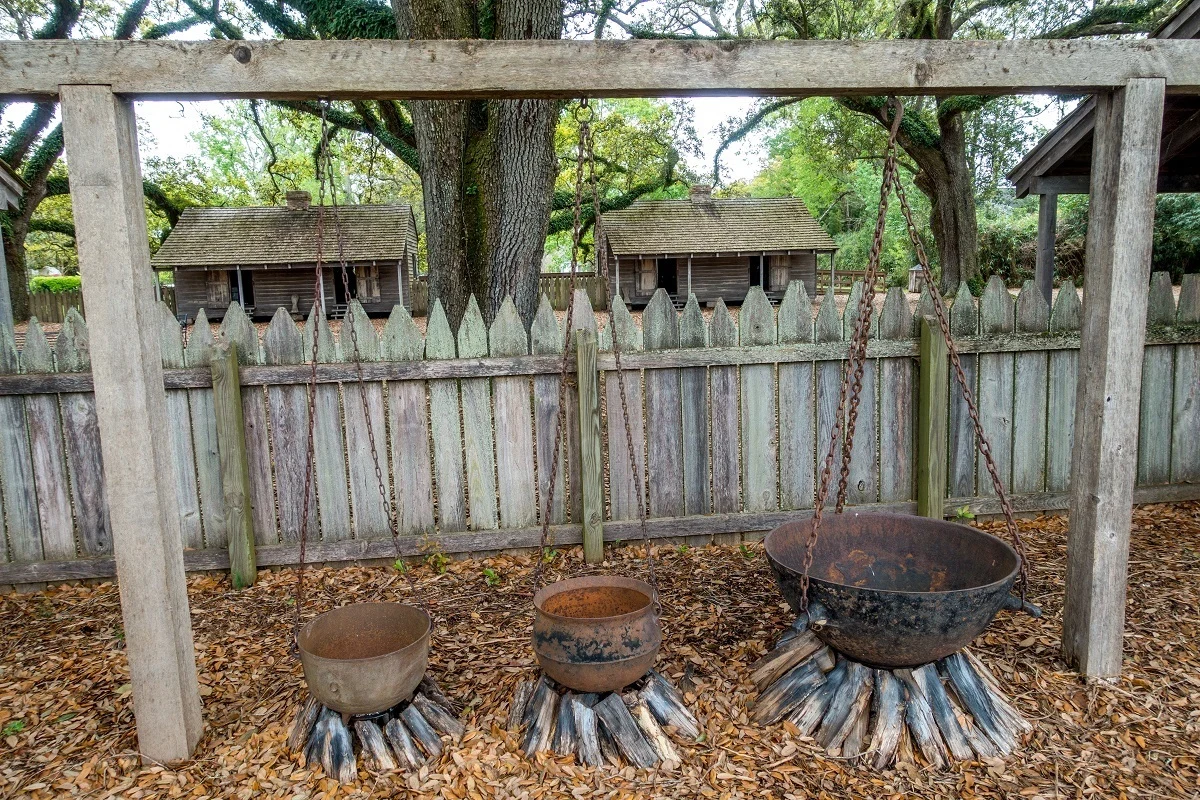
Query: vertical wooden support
[931, 421]
[1047, 224]
[110, 234]
[235, 468]
[592, 476]
[1103, 459]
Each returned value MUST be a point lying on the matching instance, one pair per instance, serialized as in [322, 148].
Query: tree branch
[59, 226]
[744, 129]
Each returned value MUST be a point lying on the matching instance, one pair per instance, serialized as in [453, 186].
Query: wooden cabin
[265, 257]
[714, 249]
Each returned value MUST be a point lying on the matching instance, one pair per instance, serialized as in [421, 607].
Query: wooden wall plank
[997, 315]
[16, 469]
[622, 486]
[760, 465]
[664, 420]
[547, 339]
[829, 386]
[329, 434]
[1062, 377]
[363, 406]
[444, 424]
[1030, 395]
[288, 407]
[1185, 427]
[1158, 383]
[179, 431]
[235, 469]
[81, 433]
[477, 424]
[198, 352]
[797, 409]
[723, 385]
[897, 397]
[964, 323]
[932, 400]
[693, 384]
[237, 328]
[591, 458]
[864, 457]
[408, 428]
[583, 319]
[46, 450]
[514, 428]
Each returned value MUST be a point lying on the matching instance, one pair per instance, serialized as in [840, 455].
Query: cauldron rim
[775, 534]
[306, 632]
[588, 582]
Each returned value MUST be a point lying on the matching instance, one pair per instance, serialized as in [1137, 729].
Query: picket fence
[731, 414]
[556, 287]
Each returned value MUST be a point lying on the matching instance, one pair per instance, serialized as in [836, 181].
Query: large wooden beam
[476, 68]
[114, 261]
[1103, 459]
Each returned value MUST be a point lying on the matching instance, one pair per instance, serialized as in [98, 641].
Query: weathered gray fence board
[16, 471]
[829, 382]
[664, 422]
[547, 339]
[1158, 377]
[964, 322]
[693, 384]
[82, 436]
[582, 319]
[723, 385]
[623, 488]
[179, 429]
[329, 437]
[514, 444]
[46, 450]
[796, 415]
[1030, 396]
[198, 352]
[897, 399]
[408, 415]
[288, 406]
[756, 328]
[237, 328]
[1185, 426]
[996, 372]
[362, 404]
[1062, 376]
[444, 422]
[864, 451]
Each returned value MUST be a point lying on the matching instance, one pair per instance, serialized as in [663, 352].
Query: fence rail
[556, 288]
[728, 418]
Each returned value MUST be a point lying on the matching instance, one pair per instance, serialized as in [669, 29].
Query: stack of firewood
[403, 737]
[633, 726]
[951, 710]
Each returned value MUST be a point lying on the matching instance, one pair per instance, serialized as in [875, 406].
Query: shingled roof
[713, 226]
[257, 235]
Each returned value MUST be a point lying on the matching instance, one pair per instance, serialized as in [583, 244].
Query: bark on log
[520, 702]
[787, 693]
[952, 733]
[808, 715]
[306, 718]
[666, 703]
[374, 746]
[587, 733]
[419, 727]
[403, 745]
[542, 713]
[618, 722]
[842, 704]
[441, 720]
[429, 687]
[564, 730]
[972, 693]
[888, 712]
[777, 662]
[920, 720]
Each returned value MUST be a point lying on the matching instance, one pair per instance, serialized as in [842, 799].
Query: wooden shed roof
[258, 235]
[713, 226]
[12, 187]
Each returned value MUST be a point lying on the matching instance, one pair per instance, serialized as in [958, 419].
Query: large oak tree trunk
[14, 262]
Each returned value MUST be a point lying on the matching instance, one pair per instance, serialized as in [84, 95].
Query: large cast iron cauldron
[895, 590]
[596, 634]
[365, 657]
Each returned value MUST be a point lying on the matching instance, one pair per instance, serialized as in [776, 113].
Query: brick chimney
[298, 200]
[700, 193]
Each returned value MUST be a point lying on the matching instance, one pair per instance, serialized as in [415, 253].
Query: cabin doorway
[668, 275]
[757, 271]
[241, 288]
[340, 295]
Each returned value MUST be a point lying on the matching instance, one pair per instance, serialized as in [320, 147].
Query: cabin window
[217, 283]
[647, 276]
[368, 283]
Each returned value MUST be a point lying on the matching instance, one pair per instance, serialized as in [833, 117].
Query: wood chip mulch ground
[67, 723]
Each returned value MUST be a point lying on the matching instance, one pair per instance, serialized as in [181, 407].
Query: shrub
[55, 285]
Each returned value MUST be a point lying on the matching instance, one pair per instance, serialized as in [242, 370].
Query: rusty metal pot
[891, 590]
[365, 657]
[598, 633]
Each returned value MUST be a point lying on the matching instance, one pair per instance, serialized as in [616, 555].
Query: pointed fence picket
[731, 418]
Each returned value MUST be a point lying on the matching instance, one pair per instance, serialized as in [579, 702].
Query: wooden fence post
[235, 468]
[931, 422]
[589, 447]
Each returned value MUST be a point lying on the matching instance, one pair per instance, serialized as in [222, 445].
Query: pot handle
[1014, 603]
[818, 615]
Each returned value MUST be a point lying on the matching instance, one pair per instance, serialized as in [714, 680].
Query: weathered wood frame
[98, 80]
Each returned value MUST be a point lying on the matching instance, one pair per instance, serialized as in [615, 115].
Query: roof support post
[689, 274]
[1047, 224]
[1113, 333]
[6, 316]
[616, 290]
[114, 261]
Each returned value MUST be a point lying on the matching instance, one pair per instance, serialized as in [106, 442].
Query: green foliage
[438, 561]
[746, 551]
[491, 577]
[55, 285]
[549, 554]
[963, 514]
[1177, 234]
[401, 566]
[13, 727]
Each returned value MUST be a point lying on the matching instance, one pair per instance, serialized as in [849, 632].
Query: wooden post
[1103, 459]
[931, 421]
[114, 261]
[235, 468]
[1047, 223]
[589, 447]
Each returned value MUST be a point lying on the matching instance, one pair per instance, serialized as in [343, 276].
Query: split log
[419, 727]
[374, 746]
[588, 699]
[952, 733]
[980, 743]
[904, 747]
[888, 712]
[306, 718]
[564, 731]
[787, 693]
[539, 696]
[608, 745]
[1004, 709]
[520, 702]
[797, 628]
[973, 694]
[337, 756]
[666, 703]
[403, 745]
[429, 687]
[811, 711]
[586, 732]
[316, 739]
[825, 659]
[654, 733]
[921, 724]
[780, 660]
[842, 704]
[441, 720]
[542, 713]
[618, 722]
[848, 742]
